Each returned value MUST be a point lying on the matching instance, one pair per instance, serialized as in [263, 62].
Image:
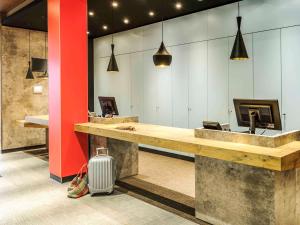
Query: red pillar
[68, 86]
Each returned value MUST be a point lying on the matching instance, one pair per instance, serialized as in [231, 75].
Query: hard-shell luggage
[101, 173]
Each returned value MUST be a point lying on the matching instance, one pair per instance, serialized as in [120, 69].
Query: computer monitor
[255, 113]
[108, 106]
[39, 65]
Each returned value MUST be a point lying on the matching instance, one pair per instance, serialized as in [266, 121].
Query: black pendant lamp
[29, 75]
[239, 51]
[112, 66]
[162, 57]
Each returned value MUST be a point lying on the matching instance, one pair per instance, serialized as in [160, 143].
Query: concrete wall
[18, 99]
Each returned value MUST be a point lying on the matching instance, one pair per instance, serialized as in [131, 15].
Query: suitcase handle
[100, 149]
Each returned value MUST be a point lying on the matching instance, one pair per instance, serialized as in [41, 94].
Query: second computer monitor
[108, 106]
[255, 113]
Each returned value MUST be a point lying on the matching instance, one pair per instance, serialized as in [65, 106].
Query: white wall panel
[129, 41]
[197, 84]
[267, 65]
[137, 85]
[120, 85]
[218, 80]
[150, 89]
[194, 26]
[106, 83]
[164, 94]
[180, 85]
[261, 15]
[291, 77]
[102, 82]
[240, 79]
[152, 36]
[102, 47]
[222, 21]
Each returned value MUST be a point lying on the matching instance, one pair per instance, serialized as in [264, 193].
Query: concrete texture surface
[235, 194]
[18, 99]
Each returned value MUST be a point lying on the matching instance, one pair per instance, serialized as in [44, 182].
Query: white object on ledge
[37, 89]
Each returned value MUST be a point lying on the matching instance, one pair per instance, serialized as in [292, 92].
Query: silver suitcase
[101, 173]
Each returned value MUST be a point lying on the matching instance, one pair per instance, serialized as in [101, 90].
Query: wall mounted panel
[240, 79]
[194, 26]
[180, 85]
[218, 80]
[291, 77]
[197, 84]
[137, 84]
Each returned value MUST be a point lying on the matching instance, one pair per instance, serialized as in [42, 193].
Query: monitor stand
[252, 116]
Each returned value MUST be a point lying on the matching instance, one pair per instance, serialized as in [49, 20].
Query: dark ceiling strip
[24, 9]
[19, 15]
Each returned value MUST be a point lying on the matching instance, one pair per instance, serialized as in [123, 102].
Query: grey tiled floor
[28, 196]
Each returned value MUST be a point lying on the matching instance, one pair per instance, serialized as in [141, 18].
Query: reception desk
[241, 179]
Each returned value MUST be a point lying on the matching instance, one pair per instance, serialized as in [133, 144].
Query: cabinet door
[197, 84]
[180, 76]
[218, 80]
[164, 94]
[291, 78]
[150, 89]
[240, 80]
[137, 84]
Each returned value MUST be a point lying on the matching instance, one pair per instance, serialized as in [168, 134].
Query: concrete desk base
[125, 153]
[235, 194]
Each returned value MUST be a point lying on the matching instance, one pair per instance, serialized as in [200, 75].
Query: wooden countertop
[281, 158]
[26, 124]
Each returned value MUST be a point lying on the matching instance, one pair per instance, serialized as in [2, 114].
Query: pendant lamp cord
[162, 29]
[29, 56]
[238, 8]
[113, 27]
[45, 46]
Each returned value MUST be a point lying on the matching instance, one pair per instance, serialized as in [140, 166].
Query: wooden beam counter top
[26, 124]
[40, 119]
[280, 159]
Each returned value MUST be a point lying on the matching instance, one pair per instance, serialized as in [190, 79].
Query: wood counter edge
[26, 124]
[277, 162]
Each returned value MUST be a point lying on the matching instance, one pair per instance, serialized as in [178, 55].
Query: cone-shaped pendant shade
[162, 57]
[29, 74]
[239, 51]
[112, 66]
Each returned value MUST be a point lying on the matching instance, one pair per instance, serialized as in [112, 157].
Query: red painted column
[68, 86]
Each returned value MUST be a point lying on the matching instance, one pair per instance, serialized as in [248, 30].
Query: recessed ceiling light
[91, 13]
[178, 5]
[151, 13]
[126, 21]
[104, 27]
[115, 4]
